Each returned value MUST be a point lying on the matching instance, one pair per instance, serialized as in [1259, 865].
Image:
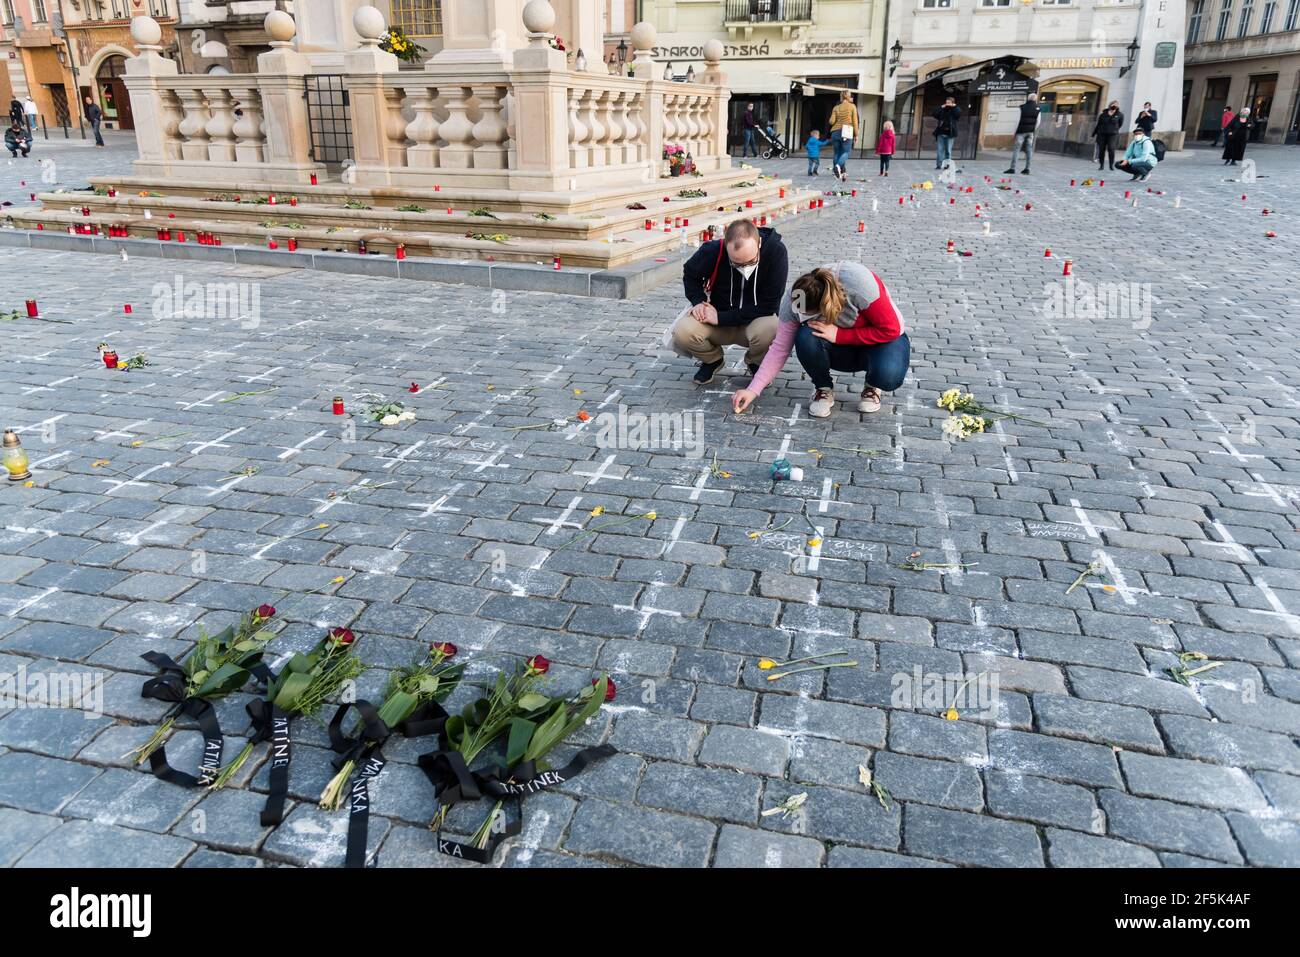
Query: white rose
[389, 419]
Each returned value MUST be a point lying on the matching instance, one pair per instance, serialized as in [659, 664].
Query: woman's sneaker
[823, 401]
[869, 401]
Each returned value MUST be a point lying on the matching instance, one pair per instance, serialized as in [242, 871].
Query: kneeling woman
[837, 317]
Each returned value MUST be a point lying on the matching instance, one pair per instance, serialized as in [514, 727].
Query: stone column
[368, 102]
[579, 23]
[480, 31]
[717, 156]
[327, 31]
[284, 104]
[541, 106]
[151, 105]
[643, 36]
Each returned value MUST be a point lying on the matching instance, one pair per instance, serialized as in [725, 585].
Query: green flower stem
[231, 769]
[822, 667]
[155, 741]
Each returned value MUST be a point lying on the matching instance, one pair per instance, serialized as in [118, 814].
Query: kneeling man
[734, 286]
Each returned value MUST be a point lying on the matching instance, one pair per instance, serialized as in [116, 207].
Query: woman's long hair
[820, 290]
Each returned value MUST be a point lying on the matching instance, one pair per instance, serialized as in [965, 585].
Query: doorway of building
[111, 93]
[1259, 98]
[764, 113]
[1216, 98]
[916, 124]
[59, 99]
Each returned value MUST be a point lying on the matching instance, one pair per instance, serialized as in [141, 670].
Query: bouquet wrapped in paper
[219, 665]
[301, 687]
[529, 724]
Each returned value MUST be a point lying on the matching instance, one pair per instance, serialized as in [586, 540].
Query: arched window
[1070, 96]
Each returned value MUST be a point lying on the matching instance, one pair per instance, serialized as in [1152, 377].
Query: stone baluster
[193, 128]
[457, 130]
[220, 126]
[591, 117]
[423, 129]
[612, 143]
[247, 128]
[642, 129]
[395, 128]
[631, 143]
[170, 116]
[490, 131]
[578, 131]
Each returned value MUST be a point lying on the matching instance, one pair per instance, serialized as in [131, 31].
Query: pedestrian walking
[1106, 132]
[16, 114]
[95, 116]
[844, 126]
[814, 150]
[1224, 120]
[33, 114]
[837, 317]
[1235, 135]
[885, 146]
[1026, 130]
[749, 128]
[945, 133]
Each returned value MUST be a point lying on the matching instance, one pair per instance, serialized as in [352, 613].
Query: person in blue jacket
[814, 150]
[1140, 157]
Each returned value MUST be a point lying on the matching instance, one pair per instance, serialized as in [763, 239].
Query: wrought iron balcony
[768, 11]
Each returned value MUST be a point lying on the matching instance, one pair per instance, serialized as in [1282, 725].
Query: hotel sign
[1001, 80]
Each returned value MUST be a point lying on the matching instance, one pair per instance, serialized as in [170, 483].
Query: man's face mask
[747, 269]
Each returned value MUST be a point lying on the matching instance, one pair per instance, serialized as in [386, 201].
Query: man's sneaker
[823, 401]
[1012, 170]
[704, 374]
[1025, 171]
[869, 401]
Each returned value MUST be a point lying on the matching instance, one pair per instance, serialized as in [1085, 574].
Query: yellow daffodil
[814, 542]
[335, 581]
[651, 515]
[755, 534]
[598, 510]
[766, 664]
[323, 525]
[951, 714]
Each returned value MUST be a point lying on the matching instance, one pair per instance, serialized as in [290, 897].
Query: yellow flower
[28, 484]
[98, 462]
[766, 664]
[755, 534]
[577, 392]
[491, 387]
[951, 714]
[598, 510]
[335, 581]
[137, 443]
[323, 525]
[651, 515]
[724, 475]
[814, 542]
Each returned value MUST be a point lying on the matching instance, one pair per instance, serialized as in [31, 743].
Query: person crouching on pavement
[1140, 157]
[16, 139]
[733, 287]
[837, 317]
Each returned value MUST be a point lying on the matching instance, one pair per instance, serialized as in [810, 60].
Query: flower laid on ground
[789, 806]
[717, 471]
[236, 396]
[692, 193]
[483, 211]
[300, 688]
[583, 415]
[429, 680]
[410, 208]
[769, 531]
[488, 237]
[1094, 569]
[623, 520]
[867, 781]
[767, 664]
[956, 401]
[389, 413]
[137, 361]
[217, 666]
[1182, 672]
[963, 426]
[912, 565]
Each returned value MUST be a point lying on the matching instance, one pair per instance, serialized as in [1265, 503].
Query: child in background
[885, 147]
[814, 150]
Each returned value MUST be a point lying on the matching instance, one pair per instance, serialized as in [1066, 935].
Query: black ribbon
[453, 782]
[364, 749]
[170, 686]
[270, 723]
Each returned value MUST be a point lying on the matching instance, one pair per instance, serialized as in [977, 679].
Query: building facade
[37, 61]
[790, 58]
[1077, 55]
[1243, 53]
[99, 40]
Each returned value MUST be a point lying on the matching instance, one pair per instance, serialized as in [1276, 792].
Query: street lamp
[895, 54]
[1132, 50]
[621, 50]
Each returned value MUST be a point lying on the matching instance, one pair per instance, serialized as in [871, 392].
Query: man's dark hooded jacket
[738, 300]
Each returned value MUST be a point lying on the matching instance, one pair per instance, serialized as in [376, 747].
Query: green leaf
[229, 677]
[521, 733]
[291, 690]
[428, 684]
[532, 701]
[247, 645]
[543, 742]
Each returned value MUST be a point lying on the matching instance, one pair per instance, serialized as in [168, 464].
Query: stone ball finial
[539, 16]
[279, 26]
[145, 31]
[643, 36]
[369, 23]
[713, 50]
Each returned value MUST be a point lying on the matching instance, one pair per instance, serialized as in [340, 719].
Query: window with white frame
[1056, 3]
[1270, 13]
[158, 8]
[7, 11]
[1225, 17]
[1243, 22]
[995, 3]
[38, 11]
[1292, 12]
[1194, 21]
[937, 4]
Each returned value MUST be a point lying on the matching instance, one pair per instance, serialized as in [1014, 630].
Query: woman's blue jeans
[885, 364]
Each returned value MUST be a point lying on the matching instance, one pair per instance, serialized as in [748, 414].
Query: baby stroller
[775, 147]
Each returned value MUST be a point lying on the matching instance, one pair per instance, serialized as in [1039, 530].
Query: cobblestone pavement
[1162, 444]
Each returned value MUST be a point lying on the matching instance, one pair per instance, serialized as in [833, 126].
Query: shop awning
[962, 74]
[742, 81]
[836, 89]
